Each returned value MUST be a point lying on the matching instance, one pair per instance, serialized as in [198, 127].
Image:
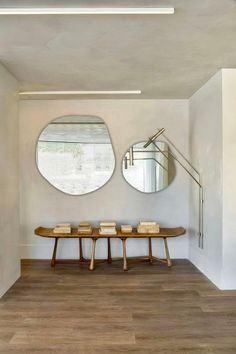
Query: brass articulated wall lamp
[196, 178]
[132, 158]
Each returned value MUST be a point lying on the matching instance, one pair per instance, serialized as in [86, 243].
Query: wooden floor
[150, 309]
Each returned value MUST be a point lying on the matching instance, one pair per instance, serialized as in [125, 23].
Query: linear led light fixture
[87, 11]
[105, 92]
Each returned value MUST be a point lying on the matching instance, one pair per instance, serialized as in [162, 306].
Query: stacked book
[126, 229]
[84, 228]
[148, 227]
[107, 228]
[62, 229]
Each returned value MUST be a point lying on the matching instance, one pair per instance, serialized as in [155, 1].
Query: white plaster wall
[206, 154]
[128, 121]
[229, 179]
[9, 179]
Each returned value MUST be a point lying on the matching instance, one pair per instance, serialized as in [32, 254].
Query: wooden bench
[164, 234]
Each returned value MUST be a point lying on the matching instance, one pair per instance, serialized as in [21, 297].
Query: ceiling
[165, 56]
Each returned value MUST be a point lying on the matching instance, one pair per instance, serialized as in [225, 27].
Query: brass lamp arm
[152, 140]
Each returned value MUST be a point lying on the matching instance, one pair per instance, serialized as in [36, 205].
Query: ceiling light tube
[126, 92]
[87, 11]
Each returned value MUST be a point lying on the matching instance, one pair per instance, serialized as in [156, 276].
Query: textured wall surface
[9, 182]
[229, 173]
[213, 151]
[128, 122]
[206, 155]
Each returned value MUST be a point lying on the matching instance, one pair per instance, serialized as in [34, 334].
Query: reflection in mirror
[75, 154]
[148, 169]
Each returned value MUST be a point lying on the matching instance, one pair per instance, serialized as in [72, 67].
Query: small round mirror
[75, 154]
[148, 169]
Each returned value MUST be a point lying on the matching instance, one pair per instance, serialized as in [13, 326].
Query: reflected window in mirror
[75, 154]
[148, 169]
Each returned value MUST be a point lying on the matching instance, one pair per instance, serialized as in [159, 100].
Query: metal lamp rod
[161, 132]
[200, 193]
[143, 159]
[131, 156]
[179, 152]
[182, 165]
[152, 140]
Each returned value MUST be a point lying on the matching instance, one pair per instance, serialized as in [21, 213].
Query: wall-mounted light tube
[87, 11]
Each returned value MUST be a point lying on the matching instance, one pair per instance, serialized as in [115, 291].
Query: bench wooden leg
[92, 262]
[169, 263]
[81, 256]
[125, 266]
[109, 259]
[150, 249]
[53, 261]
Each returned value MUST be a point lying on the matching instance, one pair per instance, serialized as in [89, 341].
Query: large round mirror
[148, 169]
[75, 154]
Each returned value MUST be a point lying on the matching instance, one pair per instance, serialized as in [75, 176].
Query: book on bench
[64, 228]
